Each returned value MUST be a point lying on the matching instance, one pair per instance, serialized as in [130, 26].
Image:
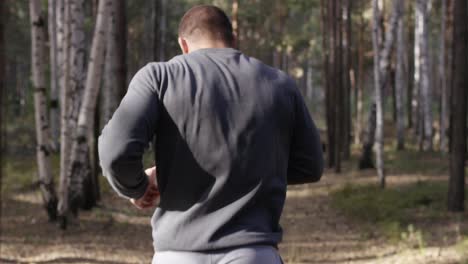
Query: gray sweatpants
[243, 255]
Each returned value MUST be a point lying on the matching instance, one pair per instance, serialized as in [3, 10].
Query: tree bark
[360, 85]
[442, 80]
[400, 84]
[381, 67]
[444, 68]
[347, 79]
[39, 64]
[410, 62]
[235, 21]
[331, 86]
[79, 166]
[162, 30]
[63, 60]
[54, 91]
[422, 13]
[3, 8]
[378, 93]
[339, 102]
[456, 192]
[324, 7]
[110, 94]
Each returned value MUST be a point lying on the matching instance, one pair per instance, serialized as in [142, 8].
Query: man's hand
[151, 197]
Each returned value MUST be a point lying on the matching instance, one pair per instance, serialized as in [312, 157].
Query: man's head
[205, 26]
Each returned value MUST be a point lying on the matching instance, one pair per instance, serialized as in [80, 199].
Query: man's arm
[126, 136]
[306, 157]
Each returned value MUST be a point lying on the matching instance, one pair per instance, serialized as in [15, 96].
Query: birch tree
[456, 192]
[63, 60]
[422, 72]
[400, 83]
[73, 67]
[43, 149]
[79, 164]
[54, 91]
[381, 67]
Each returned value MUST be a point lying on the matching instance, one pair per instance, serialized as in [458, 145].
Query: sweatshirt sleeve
[126, 136]
[305, 157]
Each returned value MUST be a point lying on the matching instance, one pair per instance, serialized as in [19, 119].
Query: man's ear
[183, 45]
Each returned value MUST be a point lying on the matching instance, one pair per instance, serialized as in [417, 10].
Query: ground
[315, 229]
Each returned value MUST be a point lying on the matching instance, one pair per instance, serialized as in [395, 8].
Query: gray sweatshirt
[229, 134]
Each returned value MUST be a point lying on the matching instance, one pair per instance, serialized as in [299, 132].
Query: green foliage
[392, 210]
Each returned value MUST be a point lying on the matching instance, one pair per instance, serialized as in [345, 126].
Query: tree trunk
[79, 166]
[347, 79]
[63, 61]
[360, 85]
[422, 10]
[162, 30]
[324, 9]
[3, 8]
[442, 80]
[378, 93]
[400, 84]
[39, 64]
[75, 65]
[410, 102]
[339, 102]
[54, 91]
[331, 87]
[110, 93]
[443, 62]
[235, 21]
[456, 192]
[121, 48]
[381, 67]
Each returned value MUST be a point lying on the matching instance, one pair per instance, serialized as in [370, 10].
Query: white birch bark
[63, 58]
[381, 64]
[54, 91]
[39, 64]
[425, 6]
[400, 83]
[79, 166]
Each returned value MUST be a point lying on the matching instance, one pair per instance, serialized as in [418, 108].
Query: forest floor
[342, 219]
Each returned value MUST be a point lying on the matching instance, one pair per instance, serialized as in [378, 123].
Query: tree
[54, 91]
[63, 75]
[381, 67]
[444, 71]
[456, 192]
[347, 70]
[78, 169]
[2, 79]
[160, 29]
[422, 67]
[235, 21]
[38, 53]
[73, 67]
[400, 83]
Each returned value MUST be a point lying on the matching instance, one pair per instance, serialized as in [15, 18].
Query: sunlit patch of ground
[314, 230]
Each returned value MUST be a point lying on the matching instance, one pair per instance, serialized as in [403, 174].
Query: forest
[385, 81]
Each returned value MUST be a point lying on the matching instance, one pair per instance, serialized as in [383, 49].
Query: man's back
[230, 132]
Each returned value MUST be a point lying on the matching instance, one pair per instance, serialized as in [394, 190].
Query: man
[230, 133]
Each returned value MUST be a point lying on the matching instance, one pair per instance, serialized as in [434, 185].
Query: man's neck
[208, 45]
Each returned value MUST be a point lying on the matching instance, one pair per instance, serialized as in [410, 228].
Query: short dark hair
[206, 21]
